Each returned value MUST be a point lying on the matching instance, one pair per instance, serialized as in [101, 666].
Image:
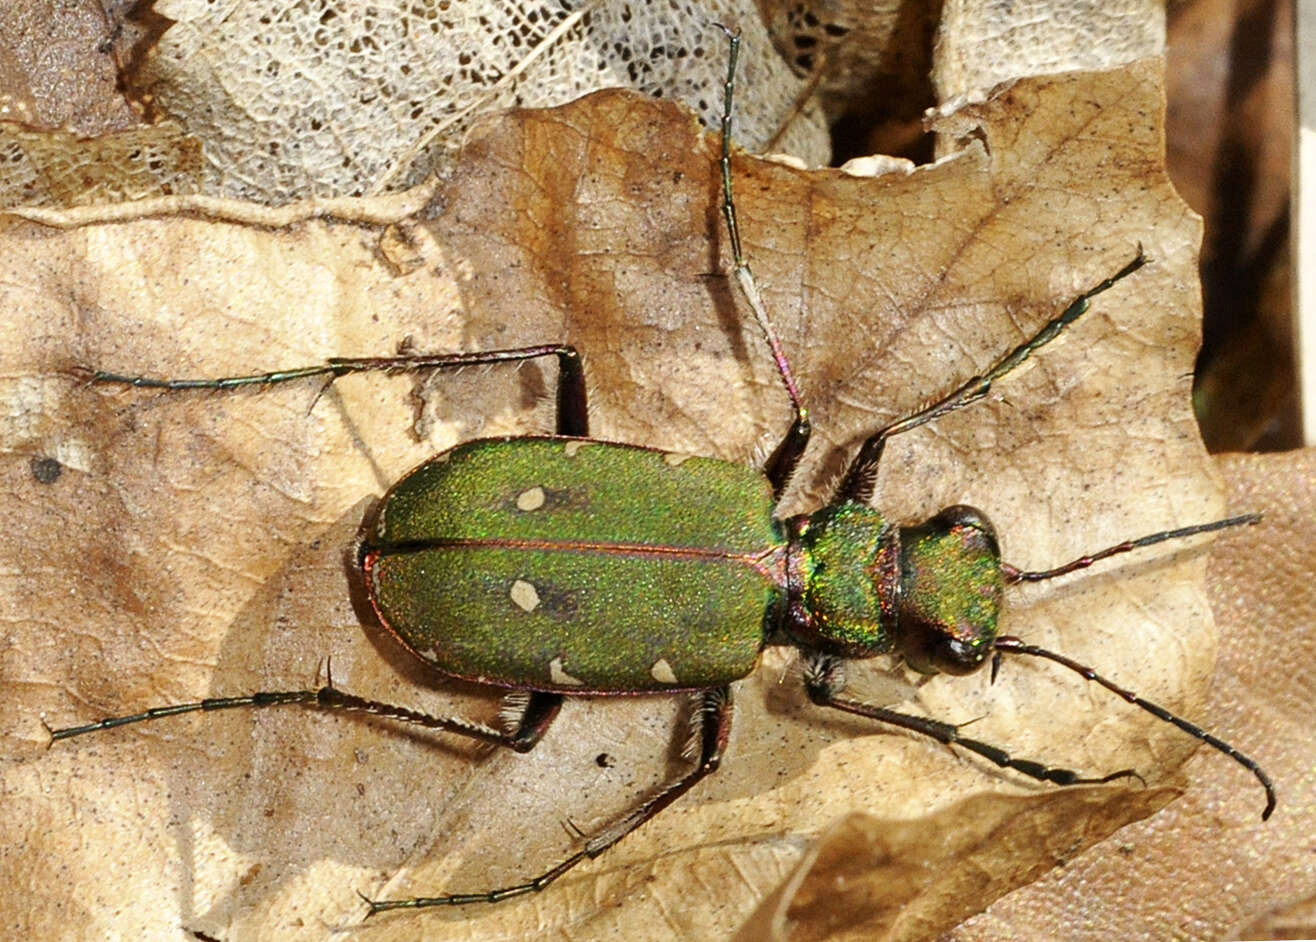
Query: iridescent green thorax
[950, 587]
[845, 571]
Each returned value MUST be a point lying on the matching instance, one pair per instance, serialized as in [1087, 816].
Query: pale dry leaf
[1135, 886]
[980, 45]
[200, 545]
[353, 98]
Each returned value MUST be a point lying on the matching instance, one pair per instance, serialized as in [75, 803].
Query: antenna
[1007, 643]
[1012, 645]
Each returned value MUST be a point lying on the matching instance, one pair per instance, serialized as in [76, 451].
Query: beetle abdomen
[579, 566]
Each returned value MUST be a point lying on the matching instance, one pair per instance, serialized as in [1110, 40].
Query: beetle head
[950, 592]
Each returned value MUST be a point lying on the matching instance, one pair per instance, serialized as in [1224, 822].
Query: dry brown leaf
[1230, 68]
[1199, 871]
[58, 65]
[200, 544]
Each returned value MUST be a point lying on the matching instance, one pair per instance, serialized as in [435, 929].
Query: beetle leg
[824, 681]
[539, 713]
[781, 464]
[572, 415]
[714, 728]
[859, 479]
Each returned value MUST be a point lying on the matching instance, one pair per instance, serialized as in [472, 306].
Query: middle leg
[572, 409]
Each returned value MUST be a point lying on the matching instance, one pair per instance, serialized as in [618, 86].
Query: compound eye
[956, 656]
[962, 517]
[929, 649]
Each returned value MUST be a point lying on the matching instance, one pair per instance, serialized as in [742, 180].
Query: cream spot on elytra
[559, 676]
[662, 672]
[532, 499]
[524, 595]
[570, 448]
[675, 459]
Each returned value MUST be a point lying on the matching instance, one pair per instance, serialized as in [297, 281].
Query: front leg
[824, 680]
[861, 476]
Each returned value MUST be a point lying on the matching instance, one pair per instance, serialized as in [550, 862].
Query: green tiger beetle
[563, 565]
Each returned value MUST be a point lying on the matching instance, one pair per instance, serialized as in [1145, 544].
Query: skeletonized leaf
[342, 98]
